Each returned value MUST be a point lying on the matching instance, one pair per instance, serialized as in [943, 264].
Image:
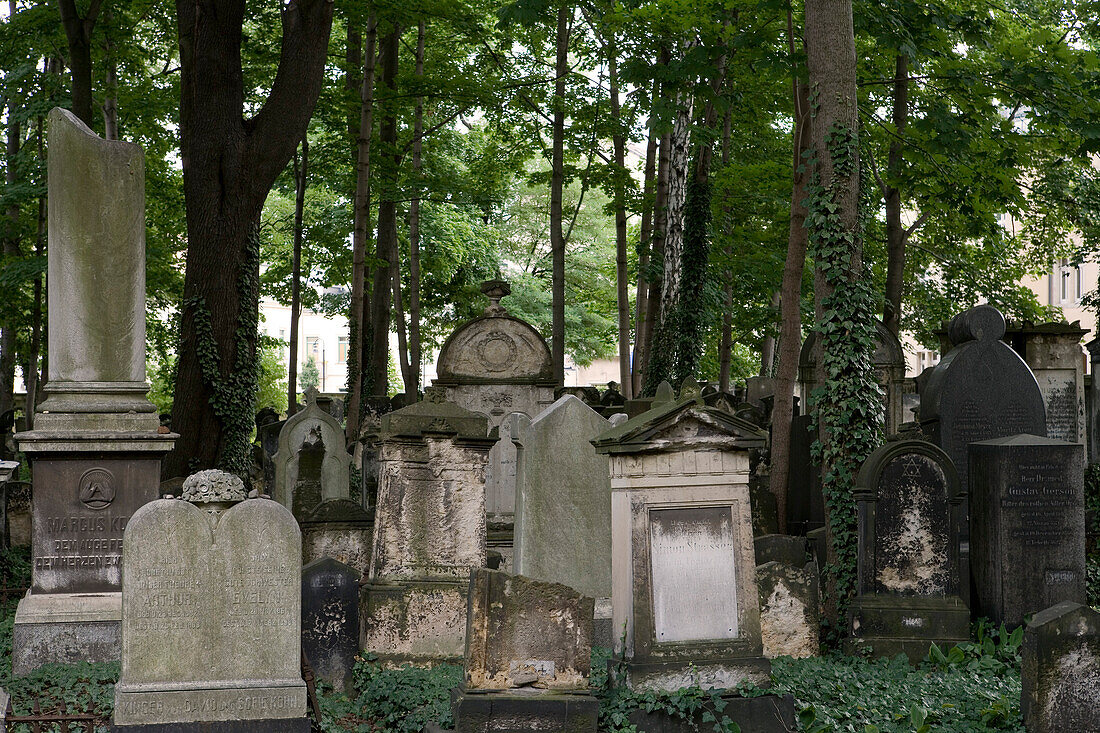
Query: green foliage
[848, 406]
[310, 376]
[404, 700]
[271, 386]
[74, 688]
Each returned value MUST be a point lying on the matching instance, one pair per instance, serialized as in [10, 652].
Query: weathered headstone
[789, 609]
[500, 487]
[95, 453]
[312, 464]
[683, 570]
[8, 469]
[429, 531]
[1053, 353]
[1027, 525]
[330, 620]
[563, 513]
[1092, 404]
[1060, 670]
[340, 529]
[211, 614]
[908, 589]
[496, 364]
[528, 657]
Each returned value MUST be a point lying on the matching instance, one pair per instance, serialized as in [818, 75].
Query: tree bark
[229, 166]
[896, 235]
[790, 301]
[110, 92]
[381, 289]
[557, 180]
[767, 349]
[357, 316]
[414, 224]
[10, 249]
[78, 35]
[622, 273]
[645, 243]
[726, 346]
[300, 172]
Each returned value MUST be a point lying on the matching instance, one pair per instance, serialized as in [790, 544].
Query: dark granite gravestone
[805, 502]
[268, 437]
[1060, 670]
[307, 488]
[330, 620]
[1027, 525]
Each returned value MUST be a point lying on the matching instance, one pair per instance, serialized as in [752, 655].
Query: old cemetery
[821, 544]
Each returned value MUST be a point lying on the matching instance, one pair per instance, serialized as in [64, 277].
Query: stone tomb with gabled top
[685, 606]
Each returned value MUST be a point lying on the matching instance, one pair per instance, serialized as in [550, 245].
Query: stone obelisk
[95, 452]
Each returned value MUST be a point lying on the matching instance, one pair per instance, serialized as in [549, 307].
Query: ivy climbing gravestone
[211, 614]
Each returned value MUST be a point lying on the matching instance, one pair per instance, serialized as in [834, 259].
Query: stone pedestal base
[66, 628]
[520, 711]
[716, 674]
[765, 714]
[892, 625]
[251, 705]
[420, 622]
[283, 725]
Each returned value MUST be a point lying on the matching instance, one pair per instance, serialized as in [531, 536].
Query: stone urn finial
[213, 491]
[495, 290]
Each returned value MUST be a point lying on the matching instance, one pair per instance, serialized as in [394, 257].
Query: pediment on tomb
[495, 348]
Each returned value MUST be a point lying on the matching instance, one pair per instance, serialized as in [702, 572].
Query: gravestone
[805, 502]
[8, 470]
[790, 619]
[500, 487]
[340, 529]
[683, 579]
[1060, 670]
[211, 614]
[429, 531]
[1027, 525]
[528, 658]
[563, 513]
[496, 364]
[312, 464]
[889, 364]
[1053, 353]
[908, 499]
[330, 621]
[96, 448]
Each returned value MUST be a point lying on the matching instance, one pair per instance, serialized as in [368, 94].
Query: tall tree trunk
[831, 62]
[78, 35]
[790, 298]
[725, 350]
[301, 171]
[767, 349]
[110, 91]
[10, 249]
[656, 257]
[645, 243]
[414, 225]
[381, 289]
[358, 331]
[399, 320]
[895, 233]
[30, 370]
[229, 166]
[622, 272]
[557, 181]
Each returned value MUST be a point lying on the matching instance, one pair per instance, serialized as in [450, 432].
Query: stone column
[96, 449]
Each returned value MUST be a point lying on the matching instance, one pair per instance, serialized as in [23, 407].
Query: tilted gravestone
[908, 498]
[429, 531]
[1060, 670]
[211, 614]
[528, 657]
[312, 464]
[980, 390]
[1027, 524]
[563, 513]
[330, 620]
[95, 451]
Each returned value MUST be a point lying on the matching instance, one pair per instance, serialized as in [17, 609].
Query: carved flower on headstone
[213, 486]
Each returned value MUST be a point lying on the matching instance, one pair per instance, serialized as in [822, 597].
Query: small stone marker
[330, 620]
[1027, 525]
[789, 609]
[909, 501]
[340, 529]
[211, 614]
[1060, 671]
[528, 657]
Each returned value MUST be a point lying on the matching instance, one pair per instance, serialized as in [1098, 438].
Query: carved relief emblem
[496, 351]
[97, 488]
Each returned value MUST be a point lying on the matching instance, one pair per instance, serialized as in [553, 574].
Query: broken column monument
[96, 450]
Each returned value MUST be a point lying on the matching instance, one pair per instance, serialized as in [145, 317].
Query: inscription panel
[80, 511]
[132, 708]
[693, 577]
[1059, 388]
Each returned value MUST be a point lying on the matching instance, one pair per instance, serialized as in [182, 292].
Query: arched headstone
[311, 440]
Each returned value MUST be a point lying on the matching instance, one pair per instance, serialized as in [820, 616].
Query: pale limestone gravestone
[501, 487]
[790, 619]
[563, 512]
[1027, 525]
[1053, 353]
[528, 657]
[429, 531]
[1060, 670]
[909, 578]
[683, 574]
[95, 452]
[330, 621]
[312, 465]
[340, 529]
[211, 614]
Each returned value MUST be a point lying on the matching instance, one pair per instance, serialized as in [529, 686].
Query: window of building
[1068, 283]
[342, 350]
[313, 346]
